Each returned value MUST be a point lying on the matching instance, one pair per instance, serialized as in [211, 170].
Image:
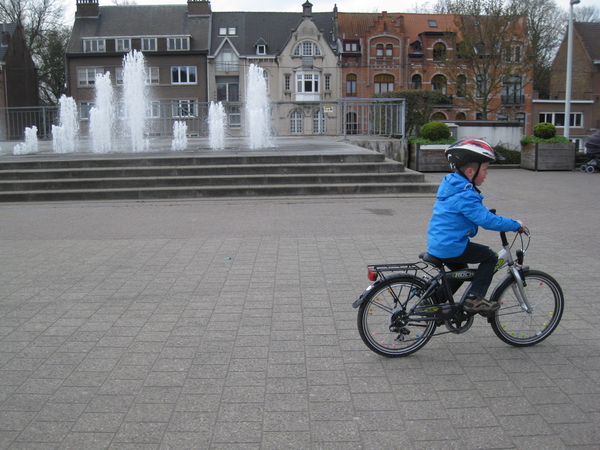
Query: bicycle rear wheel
[518, 327]
[384, 323]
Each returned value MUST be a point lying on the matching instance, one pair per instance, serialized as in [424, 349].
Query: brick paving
[227, 324]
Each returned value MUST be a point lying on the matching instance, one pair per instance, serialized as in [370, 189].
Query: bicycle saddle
[437, 262]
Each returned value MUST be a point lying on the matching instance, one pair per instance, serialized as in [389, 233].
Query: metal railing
[347, 116]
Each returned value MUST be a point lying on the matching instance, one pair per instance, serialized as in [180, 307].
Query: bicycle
[400, 312]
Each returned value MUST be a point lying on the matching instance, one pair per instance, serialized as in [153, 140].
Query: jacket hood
[453, 184]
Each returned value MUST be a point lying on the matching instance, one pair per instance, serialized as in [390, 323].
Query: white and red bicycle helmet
[470, 150]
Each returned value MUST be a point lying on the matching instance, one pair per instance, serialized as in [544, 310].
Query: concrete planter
[428, 158]
[548, 156]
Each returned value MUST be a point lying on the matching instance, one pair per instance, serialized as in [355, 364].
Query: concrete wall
[507, 134]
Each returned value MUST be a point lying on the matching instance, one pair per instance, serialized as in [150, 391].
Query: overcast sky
[318, 5]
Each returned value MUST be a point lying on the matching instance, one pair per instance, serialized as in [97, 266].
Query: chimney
[307, 9]
[198, 8]
[87, 8]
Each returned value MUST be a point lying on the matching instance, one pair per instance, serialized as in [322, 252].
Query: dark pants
[475, 254]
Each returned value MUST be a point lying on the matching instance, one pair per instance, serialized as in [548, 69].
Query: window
[351, 47]
[318, 121]
[228, 89]
[261, 49]
[518, 54]
[86, 76]
[123, 45]
[184, 108]
[224, 31]
[307, 48]
[94, 45]
[119, 75]
[461, 86]
[153, 110]
[235, 117]
[481, 86]
[439, 51]
[558, 119]
[389, 51]
[512, 91]
[84, 110]
[461, 116]
[296, 122]
[287, 83]
[416, 81]
[432, 23]
[438, 116]
[183, 74]
[379, 51]
[438, 83]
[384, 83]
[148, 44]
[507, 54]
[351, 85]
[181, 43]
[307, 82]
[327, 82]
[152, 75]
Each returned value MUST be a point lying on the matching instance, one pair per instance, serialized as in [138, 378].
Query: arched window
[461, 86]
[318, 121]
[438, 82]
[296, 122]
[379, 51]
[439, 51]
[417, 81]
[307, 48]
[438, 116]
[461, 116]
[351, 80]
[389, 51]
[384, 83]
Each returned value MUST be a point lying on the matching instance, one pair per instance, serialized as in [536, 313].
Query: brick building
[585, 86]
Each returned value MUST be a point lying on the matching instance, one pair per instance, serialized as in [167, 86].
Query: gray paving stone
[226, 324]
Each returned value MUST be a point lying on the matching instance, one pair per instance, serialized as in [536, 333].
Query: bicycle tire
[374, 317]
[520, 328]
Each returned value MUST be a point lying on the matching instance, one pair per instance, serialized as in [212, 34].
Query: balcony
[513, 99]
[227, 67]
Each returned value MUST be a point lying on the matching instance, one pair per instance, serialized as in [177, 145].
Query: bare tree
[491, 57]
[586, 14]
[45, 29]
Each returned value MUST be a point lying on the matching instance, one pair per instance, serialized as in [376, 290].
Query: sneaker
[480, 304]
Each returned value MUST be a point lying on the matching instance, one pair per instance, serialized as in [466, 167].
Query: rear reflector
[371, 275]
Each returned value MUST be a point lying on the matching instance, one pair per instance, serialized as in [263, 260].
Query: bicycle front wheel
[520, 328]
[385, 323]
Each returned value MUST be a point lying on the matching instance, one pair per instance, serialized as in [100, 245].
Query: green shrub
[530, 139]
[510, 156]
[423, 141]
[544, 130]
[435, 131]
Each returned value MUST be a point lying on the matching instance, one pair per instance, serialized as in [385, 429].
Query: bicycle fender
[363, 296]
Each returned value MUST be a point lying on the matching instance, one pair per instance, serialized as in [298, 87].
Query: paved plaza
[227, 324]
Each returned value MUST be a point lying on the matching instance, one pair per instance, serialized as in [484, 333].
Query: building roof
[274, 28]
[356, 25]
[589, 34]
[141, 20]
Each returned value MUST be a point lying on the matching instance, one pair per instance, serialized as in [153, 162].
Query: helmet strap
[472, 181]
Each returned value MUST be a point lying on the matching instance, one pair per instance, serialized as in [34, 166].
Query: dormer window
[227, 31]
[261, 49]
[432, 23]
[123, 45]
[179, 43]
[307, 48]
[94, 45]
[351, 47]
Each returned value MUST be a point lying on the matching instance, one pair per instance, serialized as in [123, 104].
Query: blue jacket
[457, 214]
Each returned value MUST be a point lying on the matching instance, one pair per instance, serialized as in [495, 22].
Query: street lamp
[569, 68]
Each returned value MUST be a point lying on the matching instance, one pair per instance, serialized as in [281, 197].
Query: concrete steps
[193, 176]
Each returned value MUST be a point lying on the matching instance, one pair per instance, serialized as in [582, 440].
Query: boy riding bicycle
[457, 214]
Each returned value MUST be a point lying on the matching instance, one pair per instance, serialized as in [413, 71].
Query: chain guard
[460, 322]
